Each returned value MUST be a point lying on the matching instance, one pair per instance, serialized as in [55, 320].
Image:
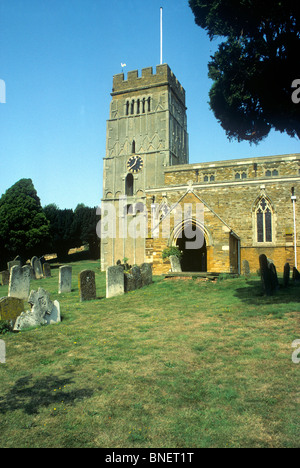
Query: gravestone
[11, 308]
[296, 274]
[114, 281]
[37, 267]
[47, 270]
[246, 268]
[175, 264]
[129, 282]
[65, 279]
[286, 275]
[273, 274]
[265, 274]
[13, 263]
[4, 275]
[43, 311]
[146, 273]
[136, 273]
[19, 282]
[87, 285]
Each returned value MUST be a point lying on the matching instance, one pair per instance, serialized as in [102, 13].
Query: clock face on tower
[135, 163]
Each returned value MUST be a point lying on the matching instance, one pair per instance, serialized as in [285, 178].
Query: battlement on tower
[163, 76]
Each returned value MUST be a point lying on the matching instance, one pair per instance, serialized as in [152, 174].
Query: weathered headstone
[114, 281]
[65, 279]
[136, 272]
[245, 268]
[13, 263]
[11, 308]
[146, 273]
[43, 311]
[129, 282]
[37, 267]
[265, 274]
[19, 282]
[273, 274]
[87, 285]
[47, 270]
[286, 275]
[175, 264]
[4, 277]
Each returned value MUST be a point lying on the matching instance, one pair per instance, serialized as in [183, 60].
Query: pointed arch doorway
[193, 259]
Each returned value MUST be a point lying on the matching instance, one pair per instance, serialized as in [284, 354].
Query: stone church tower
[154, 199]
[146, 133]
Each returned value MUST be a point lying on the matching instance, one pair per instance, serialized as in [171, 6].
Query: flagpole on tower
[161, 35]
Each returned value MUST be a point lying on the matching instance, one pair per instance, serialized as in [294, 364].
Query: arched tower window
[127, 108]
[132, 107]
[263, 218]
[133, 147]
[129, 185]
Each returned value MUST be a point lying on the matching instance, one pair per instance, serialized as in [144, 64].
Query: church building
[217, 213]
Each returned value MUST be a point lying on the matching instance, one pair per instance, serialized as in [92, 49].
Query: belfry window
[263, 214]
[129, 185]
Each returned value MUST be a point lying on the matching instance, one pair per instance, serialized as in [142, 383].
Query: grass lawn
[178, 364]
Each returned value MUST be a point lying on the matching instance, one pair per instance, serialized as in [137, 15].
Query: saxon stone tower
[146, 132]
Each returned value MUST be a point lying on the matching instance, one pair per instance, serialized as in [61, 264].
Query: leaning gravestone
[19, 282]
[13, 263]
[87, 285]
[65, 279]
[47, 270]
[11, 308]
[37, 267]
[4, 275]
[286, 275]
[146, 273]
[114, 281]
[175, 264]
[43, 311]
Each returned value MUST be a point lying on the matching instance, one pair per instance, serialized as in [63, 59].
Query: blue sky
[58, 57]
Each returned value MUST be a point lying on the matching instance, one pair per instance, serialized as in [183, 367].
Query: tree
[62, 230]
[255, 66]
[86, 220]
[24, 228]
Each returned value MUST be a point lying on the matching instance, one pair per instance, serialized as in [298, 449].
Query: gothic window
[127, 108]
[132, 107]
[263, 214]
[129, 185]
[149, 104]
[133, 147]
[138, 106]
[144, 103]
[240, 175]
[275, 172]
[268, 173]
[209, 178]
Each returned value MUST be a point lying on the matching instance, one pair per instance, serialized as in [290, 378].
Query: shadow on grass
[30, 395]
[253, 294]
